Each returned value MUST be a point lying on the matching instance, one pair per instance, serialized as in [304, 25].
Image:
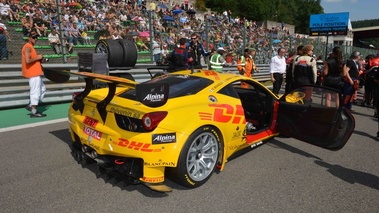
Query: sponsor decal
[154, 97]
[225, 113]
[160, 163]
[92, 133]
[256, 144]
[138, 146]
[128, 113]
[153, 180]
[237, 134]
[212, 73]
[164, 138]
[90, 122]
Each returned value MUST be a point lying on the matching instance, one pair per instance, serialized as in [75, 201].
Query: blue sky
[358, 9]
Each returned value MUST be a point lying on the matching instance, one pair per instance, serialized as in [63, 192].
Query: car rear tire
[198, 158]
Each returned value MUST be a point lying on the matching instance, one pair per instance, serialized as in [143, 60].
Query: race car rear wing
[152, 94]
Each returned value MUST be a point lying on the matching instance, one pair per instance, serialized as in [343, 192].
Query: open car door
[313, 114]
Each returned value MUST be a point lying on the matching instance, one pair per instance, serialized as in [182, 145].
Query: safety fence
[14, 88]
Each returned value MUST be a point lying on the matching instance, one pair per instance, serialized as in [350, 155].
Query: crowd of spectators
[116, 19]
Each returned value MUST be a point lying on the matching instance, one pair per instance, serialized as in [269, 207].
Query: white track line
[7, 129]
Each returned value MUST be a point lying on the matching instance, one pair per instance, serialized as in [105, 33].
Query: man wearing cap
[217, 60]
[54, 41]
[352, 68]
[32, 69]
[27, 24]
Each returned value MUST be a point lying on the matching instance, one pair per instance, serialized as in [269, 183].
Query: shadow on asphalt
[346, 174]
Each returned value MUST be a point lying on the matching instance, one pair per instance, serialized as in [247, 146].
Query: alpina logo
[164, 138]
[154, 97]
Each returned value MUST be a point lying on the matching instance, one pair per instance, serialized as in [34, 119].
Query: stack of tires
[121, 52]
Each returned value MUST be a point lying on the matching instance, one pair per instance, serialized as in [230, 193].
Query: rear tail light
[151, 120]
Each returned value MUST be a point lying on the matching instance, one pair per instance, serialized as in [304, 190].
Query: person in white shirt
[54, 41]
[157, 48]
[277, 69]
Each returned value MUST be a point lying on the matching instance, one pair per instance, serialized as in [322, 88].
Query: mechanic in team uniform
[246, 66]
[196, 50]
[32, 69]
[217, 60]
[179, 58]
[351, 79]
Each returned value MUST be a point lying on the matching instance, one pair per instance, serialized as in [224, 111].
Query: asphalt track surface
[38, 174]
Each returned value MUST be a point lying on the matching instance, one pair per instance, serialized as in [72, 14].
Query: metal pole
[63, 49]
[206, 59]
[326, 48]
[149, 13]
[244, 38]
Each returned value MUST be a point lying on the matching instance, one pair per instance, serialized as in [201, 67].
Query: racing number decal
[144, 147]
[225, 113]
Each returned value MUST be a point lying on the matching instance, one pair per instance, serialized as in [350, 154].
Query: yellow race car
[185, 125]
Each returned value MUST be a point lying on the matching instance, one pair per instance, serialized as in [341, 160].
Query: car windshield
[179, 85]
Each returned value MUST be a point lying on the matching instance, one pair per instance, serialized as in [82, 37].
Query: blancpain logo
[154, 97]
[164, 138]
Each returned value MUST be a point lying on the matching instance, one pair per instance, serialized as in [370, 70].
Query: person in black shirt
[196, 50]
[351, 83]
[333, 72]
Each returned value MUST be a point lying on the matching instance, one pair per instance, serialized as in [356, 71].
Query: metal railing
[14, 88]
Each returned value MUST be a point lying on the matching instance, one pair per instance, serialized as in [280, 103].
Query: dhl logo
[144, 147]
[225, 113]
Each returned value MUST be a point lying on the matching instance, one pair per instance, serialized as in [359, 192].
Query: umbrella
[134, 33]
[101, 33]
[191, 12]
[74, 5]
[168, 18]
[276, 41]
[177, 11]
[162, 6]
[144, 34]
[137, 18]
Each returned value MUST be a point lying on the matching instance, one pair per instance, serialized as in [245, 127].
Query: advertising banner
[329, 24]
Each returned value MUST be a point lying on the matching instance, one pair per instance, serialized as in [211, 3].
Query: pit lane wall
[14, 88]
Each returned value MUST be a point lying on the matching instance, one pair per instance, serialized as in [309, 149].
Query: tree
[295, 12]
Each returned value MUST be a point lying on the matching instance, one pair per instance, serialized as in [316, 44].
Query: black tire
[130, 53]
[113, 49]
[194, 168]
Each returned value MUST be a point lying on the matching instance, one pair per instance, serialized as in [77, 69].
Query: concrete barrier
[14, 88]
